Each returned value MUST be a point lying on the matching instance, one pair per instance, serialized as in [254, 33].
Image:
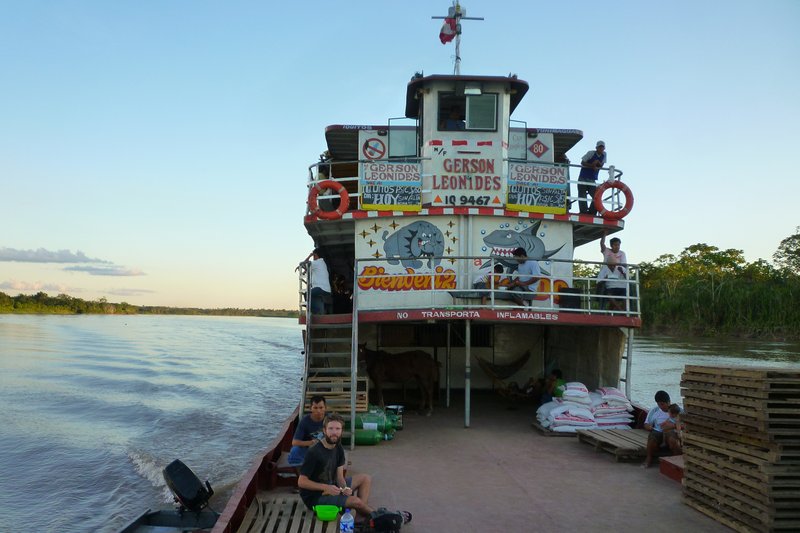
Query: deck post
[629, 364]
[447, 368]
[354, 360]
[467, 370]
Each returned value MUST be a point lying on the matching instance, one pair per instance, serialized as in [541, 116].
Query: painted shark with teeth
[503, 242]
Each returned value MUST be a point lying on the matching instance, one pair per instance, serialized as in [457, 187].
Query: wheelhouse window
[470, 112]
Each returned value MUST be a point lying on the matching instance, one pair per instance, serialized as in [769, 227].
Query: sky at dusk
[156, 152]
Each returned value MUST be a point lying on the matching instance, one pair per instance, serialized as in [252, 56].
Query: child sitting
[675, 419]
[492, 282]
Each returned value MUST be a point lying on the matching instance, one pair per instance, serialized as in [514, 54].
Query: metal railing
[567, 286]
[323, 170]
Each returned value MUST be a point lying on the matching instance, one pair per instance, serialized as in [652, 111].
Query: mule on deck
[384, 367]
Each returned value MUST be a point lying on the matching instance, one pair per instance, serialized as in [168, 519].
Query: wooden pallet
[283, 512]
[755, 474]
[337, 393]
[735, 514]
[742, 446]
[624, 445]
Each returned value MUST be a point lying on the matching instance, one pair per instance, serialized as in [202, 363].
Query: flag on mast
[448, 31]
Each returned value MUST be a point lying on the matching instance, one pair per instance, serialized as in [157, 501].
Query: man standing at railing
[614, 252]
[616, 285]
[320, 299]
[591, 164]
[528, 276]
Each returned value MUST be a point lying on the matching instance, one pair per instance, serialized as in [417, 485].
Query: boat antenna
[452, 27]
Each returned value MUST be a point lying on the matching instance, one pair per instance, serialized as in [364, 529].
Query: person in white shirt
[614, 252]
[320, 299]
[616, 284]
[661, 428]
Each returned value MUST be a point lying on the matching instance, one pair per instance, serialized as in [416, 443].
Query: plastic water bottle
[347, 523]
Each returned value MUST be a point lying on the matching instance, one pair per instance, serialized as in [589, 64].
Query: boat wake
[148, 468]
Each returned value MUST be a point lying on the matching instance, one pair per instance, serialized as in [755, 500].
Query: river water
[93, 407]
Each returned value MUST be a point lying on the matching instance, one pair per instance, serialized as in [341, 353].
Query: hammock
[499, 372]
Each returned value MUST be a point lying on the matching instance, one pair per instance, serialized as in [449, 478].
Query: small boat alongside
[191, 512]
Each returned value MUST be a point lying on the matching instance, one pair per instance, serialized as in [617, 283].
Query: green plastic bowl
[327, 513]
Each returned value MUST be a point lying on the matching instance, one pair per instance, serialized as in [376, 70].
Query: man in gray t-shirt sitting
[528, 277]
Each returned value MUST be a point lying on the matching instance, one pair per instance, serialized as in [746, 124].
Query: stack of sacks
[613, 411]
[565, 415]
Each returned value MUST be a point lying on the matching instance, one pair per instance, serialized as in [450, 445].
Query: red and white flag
[448, 31]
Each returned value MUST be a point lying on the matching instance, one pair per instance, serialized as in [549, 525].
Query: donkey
[384, 367]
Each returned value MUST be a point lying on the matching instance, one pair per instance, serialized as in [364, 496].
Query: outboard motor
[187, 488]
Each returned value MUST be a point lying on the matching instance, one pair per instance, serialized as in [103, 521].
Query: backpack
[385, 521]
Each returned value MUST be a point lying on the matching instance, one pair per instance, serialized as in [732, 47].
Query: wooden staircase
[329, 360]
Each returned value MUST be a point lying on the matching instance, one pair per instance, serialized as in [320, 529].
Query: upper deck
[412, 213]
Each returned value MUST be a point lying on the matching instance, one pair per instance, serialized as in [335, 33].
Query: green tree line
[68, 305]
[708, 291]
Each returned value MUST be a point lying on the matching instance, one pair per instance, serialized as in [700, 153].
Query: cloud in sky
[14, 285]
[112, 270]
[46, 256]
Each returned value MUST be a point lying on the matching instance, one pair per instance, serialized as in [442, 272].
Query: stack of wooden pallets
[337, 393]
[742, 446]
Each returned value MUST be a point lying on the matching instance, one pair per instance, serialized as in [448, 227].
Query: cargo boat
[408, 215]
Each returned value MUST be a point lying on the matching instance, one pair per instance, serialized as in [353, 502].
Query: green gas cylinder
[368, 437]
[394, 421]
[374, 421]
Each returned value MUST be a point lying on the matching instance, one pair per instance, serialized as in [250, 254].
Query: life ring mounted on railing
[338, 188]
[607, 213]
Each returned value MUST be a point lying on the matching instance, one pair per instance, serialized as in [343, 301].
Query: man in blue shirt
[528, 277]
[308, 432]
[591, 163]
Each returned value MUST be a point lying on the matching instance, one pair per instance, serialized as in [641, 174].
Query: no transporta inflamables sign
[538, 188]
[391, 186]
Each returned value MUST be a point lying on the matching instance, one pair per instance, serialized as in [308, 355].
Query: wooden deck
[501, 475]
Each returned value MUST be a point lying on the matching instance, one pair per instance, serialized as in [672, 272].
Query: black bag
[385, 521]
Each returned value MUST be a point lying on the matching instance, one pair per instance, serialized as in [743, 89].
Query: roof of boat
[517, 88]
[342, 139]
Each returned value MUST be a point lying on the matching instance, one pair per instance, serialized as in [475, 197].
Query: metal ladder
[627, 358]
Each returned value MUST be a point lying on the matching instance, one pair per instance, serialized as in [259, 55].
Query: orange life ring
[598, 200]
[335, 186]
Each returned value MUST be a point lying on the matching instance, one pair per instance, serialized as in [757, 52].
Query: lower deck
[502, 475]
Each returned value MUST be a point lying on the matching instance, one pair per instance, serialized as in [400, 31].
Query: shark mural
[503, 242]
